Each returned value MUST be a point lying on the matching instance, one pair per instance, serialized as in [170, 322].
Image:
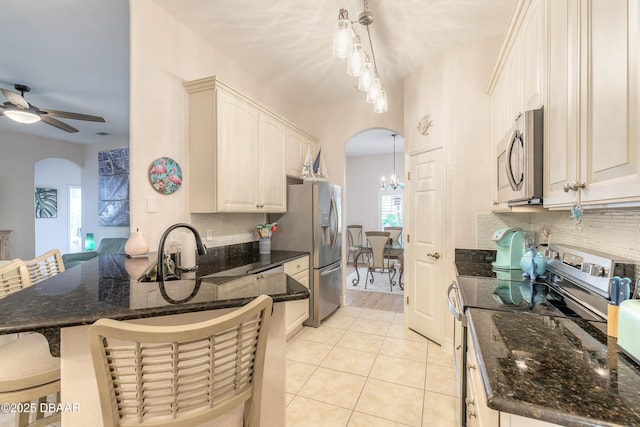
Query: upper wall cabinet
[237, 151]
[592, 146]
[298, 144]
[517, 82]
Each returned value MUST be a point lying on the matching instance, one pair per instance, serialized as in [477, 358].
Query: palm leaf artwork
[46, 203]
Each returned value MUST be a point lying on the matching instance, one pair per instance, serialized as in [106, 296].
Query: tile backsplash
[614, 231]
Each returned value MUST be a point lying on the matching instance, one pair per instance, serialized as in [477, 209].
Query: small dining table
[393, 250]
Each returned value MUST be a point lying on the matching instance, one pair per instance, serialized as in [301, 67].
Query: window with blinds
[390, 208]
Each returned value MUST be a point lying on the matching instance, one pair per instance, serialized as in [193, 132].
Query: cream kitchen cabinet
[236, 151]
[298, 144]
[517, 81]
[478, 413]
[591, 134]
[297, 311]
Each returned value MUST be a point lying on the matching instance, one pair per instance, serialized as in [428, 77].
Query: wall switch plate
[151, 204]
[209, 235]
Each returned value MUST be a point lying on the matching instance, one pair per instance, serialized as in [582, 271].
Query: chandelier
[393, 183]
[347, 44]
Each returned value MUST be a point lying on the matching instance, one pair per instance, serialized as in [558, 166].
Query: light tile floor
[363, 368]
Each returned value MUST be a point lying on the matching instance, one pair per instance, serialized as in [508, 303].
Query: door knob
[435, 255]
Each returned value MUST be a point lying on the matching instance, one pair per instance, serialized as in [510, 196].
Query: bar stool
[181, 375]
[28, 372]
[44, 266]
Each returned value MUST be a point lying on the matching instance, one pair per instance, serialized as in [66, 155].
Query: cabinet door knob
[575, 186]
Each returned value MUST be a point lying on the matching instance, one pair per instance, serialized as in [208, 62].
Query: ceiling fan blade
[57, 123]
[15, 98]
[75, 116]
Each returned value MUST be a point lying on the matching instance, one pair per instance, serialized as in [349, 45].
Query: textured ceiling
[287, 43]
[75, 56]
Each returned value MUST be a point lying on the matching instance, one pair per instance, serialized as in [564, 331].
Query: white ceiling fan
[18, 109]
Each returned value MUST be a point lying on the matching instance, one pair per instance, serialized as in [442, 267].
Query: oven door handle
[452, 287]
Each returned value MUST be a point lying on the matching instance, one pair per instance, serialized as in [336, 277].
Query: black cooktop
[518, 294]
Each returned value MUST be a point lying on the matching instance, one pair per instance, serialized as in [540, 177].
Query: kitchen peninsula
[63, 306]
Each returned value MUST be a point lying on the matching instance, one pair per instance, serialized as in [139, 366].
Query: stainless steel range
[576, 286]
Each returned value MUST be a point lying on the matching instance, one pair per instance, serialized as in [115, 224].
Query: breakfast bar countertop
[107, 287]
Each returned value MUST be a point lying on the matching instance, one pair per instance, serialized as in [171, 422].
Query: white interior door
[424, 266]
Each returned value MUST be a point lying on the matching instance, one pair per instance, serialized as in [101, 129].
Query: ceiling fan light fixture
[21, 116]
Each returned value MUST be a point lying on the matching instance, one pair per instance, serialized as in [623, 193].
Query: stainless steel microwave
[520, 157]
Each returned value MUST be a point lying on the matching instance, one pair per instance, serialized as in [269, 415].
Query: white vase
[136, 245]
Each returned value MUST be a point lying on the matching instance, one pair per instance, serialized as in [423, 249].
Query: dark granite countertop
[107, 287]
[474, 262]
[560, 370]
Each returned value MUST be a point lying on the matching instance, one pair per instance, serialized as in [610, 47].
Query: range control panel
[590, 268]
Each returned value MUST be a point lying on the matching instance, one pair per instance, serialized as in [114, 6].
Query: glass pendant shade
[342, 37]
[364, 80]
[374, 91]
[355, 65]
[380, 106]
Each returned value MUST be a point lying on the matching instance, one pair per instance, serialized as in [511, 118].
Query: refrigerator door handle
[335, 222]
[327, 272]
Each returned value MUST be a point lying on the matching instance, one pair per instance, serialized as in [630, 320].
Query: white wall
[451, 90]
[362, 182]
[164, 54]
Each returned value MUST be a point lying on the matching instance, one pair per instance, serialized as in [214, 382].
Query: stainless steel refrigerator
[312, 224]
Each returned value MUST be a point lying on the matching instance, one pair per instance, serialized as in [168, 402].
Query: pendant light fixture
[347, 44]
[394, 183]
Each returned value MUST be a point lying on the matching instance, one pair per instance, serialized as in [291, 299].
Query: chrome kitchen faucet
[202, 250]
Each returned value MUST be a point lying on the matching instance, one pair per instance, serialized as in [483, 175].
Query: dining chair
[377, 241]
[395, 234]
[396, 238]
[181, 375]
[28, 372]
[44, 266]
[355, 240]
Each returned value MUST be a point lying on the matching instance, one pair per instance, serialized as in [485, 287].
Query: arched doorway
[369, 156]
